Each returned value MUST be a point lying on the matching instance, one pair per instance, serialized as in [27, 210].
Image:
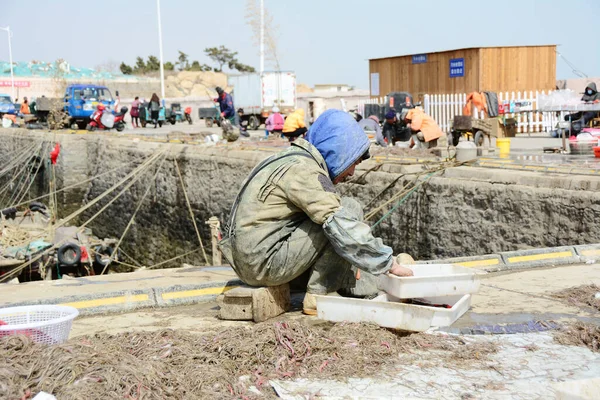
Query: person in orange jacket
[25, 106]
[294, 126]
[425, 131]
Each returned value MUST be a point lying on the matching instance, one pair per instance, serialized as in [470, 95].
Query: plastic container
[597, 151]
[466, 151]
[47, 324]
[387, 311]
[503, 145]
[431, 280]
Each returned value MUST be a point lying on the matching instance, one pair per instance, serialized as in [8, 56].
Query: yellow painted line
[537, 257]
[479, 263]
[551, 169]
[535, 167]
[196, 292]
[490, 164]
[109, 301]
[590, 252]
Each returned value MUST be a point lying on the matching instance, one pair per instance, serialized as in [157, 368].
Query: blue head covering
[339, 139]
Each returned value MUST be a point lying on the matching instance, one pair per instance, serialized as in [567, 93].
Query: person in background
[294, 125]
[154, 107]
[590, 95]
[274, 123]
[243, 123]
[226, 105]
[135, 112]
[394, 130]
[371, 124]
[117, 102]
[25, 106]
[425, 131]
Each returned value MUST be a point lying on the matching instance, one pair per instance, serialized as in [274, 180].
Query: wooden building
[495, 69]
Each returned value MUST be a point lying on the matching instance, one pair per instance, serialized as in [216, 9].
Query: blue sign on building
[457, 67]
[419, 59]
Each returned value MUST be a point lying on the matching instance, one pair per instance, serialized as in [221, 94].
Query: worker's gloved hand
[421, 136]
[399, 270]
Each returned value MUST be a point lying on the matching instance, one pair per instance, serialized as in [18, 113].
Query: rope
[187, 200]
[173, 259]
[27, 191]
[402, 200]
[78, 183]
[19, 174]
[132, 219]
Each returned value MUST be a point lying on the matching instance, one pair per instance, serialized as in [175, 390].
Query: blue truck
[6, 105]
[75, 109]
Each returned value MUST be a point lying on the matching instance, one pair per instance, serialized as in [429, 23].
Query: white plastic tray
[389, 312]
[431, 280]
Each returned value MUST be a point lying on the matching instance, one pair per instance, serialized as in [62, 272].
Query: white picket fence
[443, 107]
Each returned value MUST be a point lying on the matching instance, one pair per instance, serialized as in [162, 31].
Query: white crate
[431, 280]
[390, 312]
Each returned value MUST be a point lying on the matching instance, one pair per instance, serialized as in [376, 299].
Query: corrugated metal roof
[464, 48]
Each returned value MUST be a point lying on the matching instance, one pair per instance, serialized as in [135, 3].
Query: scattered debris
[581, 296]
[580, 334]
[224, 364]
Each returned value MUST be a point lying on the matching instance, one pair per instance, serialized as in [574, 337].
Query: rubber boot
[309, 305]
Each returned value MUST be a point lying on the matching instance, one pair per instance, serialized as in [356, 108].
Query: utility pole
[160, 50]
[12, 75]
[262, 36]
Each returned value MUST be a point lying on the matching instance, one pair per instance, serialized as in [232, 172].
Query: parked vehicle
[75, 108]
[145, 115]
[6, 105]
[257, 94]
[103, 120]
[210, 115]
[178, 115]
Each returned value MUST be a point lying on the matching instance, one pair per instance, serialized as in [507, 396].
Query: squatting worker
[288, 218]
[394, 129]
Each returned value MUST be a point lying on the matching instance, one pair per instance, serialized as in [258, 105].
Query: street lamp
[160, 50]
[12, 75]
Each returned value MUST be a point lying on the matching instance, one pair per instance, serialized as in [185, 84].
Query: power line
[574, 69]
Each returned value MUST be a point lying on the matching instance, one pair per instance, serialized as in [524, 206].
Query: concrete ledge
[543, 257]
[588, 253]
[188, 294]
[489, 262]
[127, 300]
[525, 259]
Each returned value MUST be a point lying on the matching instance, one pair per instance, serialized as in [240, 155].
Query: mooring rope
[187, 200]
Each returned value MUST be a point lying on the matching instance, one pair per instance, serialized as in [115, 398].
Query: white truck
[257, 94]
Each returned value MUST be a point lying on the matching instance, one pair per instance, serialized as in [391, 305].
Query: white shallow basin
[388, 311]
[431, 280]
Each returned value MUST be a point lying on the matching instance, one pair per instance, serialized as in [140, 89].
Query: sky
[323, 41]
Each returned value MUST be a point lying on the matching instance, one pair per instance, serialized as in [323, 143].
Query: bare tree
[271, 31]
